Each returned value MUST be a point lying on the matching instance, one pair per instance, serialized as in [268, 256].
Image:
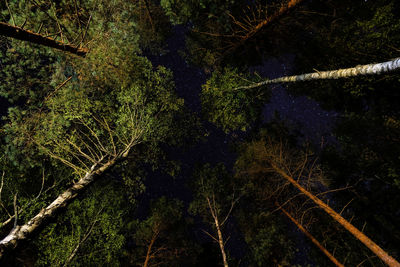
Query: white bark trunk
[221, 242]
[369, 69]
[20, 233]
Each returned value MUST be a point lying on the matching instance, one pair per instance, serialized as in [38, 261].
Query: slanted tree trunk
[149, 248]
[315, 241]
[21, 233]
[383, 255]
[29, 36]
[282, 11]
[266, 22]
[368, 69]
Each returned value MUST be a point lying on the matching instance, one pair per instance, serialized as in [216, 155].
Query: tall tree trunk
[368, 69]
[315, 241]
[29, 36]
[21, 233]
[218, 225]
[383, 255]
[221, 241]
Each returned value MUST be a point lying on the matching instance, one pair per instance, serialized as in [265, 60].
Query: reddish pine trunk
[383, 255]
[282, 11]
[315, 241]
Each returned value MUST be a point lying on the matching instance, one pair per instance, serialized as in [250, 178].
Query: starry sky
[300, 113]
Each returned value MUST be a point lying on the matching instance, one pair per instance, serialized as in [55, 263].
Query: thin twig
[9, 10]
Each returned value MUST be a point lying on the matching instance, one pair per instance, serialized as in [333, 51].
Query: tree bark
[21, 233]
[29, 36]
[378, 251]
[315, 241]
[282, 11]
[369, 69]
[149, 248]
[221, 242]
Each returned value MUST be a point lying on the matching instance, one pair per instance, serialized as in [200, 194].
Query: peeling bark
[221, 242]
[217, 225]
[21, 233]
[369, 69]
[32, 37]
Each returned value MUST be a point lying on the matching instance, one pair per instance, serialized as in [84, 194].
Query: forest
[199, 133]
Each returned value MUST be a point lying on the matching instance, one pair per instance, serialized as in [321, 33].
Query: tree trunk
[221, 241]
[29, 36]
[282, 11]
[383, 255]
[153, 240]
[315, 241]
[369, 69]
[21, 233]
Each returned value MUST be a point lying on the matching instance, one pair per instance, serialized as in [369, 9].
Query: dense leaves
[228, 108]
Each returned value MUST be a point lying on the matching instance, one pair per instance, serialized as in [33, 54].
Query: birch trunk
[221, 242]
[21, 233]
[369, 69]
[29, 36]
[378, 251]
[315, 241]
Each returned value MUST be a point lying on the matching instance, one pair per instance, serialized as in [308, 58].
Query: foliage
[25, 79]
[362, 33]
[162, 236]
[213, 183]
[265, 235]
[94, 223]
[228, 108]
[183, 11]
[152, 25]
[104, 111]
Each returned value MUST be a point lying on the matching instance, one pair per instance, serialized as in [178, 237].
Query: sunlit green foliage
[228, 108]
[90, 229]
[108, 104]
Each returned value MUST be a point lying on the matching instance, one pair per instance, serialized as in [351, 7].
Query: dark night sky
[302, 113]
